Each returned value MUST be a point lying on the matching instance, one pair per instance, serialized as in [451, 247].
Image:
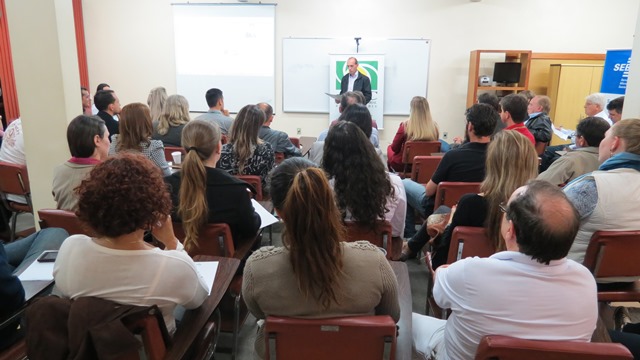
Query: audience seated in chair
[217, 114]
[498, 295]
[246, 153]
[88, 140]
[464, 163]
[316, 274]
[12, 150]
[511, 162]
[135, 136]
[117, 264]
[365, 192]
[419, 126]
[203, 194]
[279, 140]
[584, 159]
[538, 121]
[168, 126]
[357, 113]
[607, 198]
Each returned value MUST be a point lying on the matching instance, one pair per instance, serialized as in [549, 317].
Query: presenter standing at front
[355, 81]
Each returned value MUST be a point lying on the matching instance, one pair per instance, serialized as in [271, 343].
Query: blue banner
[616, 72]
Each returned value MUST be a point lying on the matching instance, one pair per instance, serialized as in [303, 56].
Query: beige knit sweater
[368, 287]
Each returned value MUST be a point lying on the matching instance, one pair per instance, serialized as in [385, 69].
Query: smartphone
[48, 256]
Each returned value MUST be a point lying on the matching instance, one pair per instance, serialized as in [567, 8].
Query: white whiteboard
[305, 71]
[225, 46]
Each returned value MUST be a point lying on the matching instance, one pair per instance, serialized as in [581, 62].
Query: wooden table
[194, 320]
[404, 341]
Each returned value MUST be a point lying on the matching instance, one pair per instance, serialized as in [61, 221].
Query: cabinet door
[574, 84]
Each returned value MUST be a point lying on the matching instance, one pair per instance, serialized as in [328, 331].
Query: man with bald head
[279, 140]
[531, 291]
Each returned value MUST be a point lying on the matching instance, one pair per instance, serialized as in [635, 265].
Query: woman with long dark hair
[316, 273]
[246, 154]
[365, 192]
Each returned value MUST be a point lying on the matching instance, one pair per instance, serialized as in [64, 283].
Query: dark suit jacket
[228, 200]
[362, 83]
[112, 125]
[540, 127]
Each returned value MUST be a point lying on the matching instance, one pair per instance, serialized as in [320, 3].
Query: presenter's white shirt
[511, 294]
[133, 277]
[352, 80]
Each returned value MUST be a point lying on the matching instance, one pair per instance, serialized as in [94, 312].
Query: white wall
[130, 43]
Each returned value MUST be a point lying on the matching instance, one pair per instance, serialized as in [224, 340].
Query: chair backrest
[152, 331]
[213, 239]
[356, 337]
[14, 179]
[612, 254]
[411, 149]
[423, 168]
[495, 347]
[467, 241]
[306, 142]
[540, 147]
[256, 182]
[295, 141]
[379, 235]
[449, 193]
[67, 220]
[169, 149]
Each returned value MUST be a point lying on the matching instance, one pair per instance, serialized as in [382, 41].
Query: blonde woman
[316, 274]
[511, 162]
[419, 126]
[175, 115]
[156, 100]
[202, 194]
[246, 154]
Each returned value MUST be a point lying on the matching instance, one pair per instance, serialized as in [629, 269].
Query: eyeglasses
[503, 207]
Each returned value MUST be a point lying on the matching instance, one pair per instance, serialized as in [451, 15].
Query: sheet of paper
[207, 271]
[336, 96]
[562, 133]
[266, 218]
[38, 271]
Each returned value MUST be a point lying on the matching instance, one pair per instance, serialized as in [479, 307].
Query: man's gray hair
[596, 98]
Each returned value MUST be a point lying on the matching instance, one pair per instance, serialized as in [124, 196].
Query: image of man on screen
[356, 81]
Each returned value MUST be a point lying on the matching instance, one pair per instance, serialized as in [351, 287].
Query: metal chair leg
[14, 220]
[236, 326]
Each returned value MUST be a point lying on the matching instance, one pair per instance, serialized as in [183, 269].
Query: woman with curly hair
[365, 192]
[135, 136]
[156, 100]
[419, 126]
[316, 273]
[246, 154]
[202, 194]
[174, 116]
[123, 197]
[511, 162]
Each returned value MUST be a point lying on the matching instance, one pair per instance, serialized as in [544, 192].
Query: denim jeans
[416, 200]
[21, 253]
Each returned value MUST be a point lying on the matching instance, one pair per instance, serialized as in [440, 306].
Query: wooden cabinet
[481, 63]
[569, 85]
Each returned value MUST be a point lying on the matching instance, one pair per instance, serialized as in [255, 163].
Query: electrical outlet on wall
[445, 135]
[299, 131]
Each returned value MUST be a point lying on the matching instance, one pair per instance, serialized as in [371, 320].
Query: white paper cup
[177, 157]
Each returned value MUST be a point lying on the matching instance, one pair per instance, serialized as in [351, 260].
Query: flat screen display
[507, 72]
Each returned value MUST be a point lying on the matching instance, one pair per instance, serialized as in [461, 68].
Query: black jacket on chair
[540, 127]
